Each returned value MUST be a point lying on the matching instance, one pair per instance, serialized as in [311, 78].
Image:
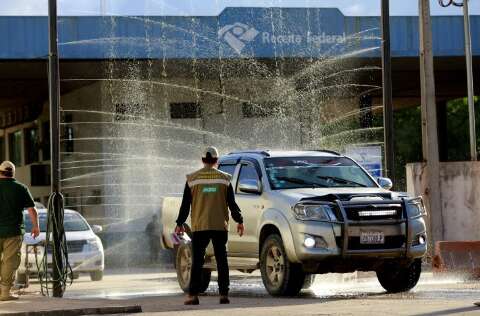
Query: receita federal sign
[238, 35]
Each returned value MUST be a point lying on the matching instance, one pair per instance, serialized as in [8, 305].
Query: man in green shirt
[14, 198]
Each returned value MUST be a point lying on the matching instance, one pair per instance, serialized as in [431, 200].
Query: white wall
[460, 194]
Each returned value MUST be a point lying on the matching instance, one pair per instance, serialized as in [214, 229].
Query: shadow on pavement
[238, 300]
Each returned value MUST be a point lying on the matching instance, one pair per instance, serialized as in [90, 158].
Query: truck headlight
[415, 209]
[321, 212]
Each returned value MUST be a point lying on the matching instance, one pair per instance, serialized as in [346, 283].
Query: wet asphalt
[131, 285]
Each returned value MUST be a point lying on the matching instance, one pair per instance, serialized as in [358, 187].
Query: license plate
[370, 238]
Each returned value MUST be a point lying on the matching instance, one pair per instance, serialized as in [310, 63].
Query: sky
[214, 7]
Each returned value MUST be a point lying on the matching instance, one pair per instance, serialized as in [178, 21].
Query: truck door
[249, 203]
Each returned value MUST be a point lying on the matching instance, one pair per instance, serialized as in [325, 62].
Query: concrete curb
[83, 311]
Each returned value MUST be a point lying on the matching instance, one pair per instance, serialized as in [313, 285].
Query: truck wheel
[183, 266]
[280, 276]
[395, 278]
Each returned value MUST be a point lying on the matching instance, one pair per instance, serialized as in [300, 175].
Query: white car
[85, 249]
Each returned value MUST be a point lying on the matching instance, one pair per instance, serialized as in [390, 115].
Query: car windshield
[315, 172]
[72, 222]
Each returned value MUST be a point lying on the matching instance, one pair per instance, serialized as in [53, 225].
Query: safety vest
[209, 188]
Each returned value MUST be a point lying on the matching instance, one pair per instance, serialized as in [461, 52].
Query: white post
[471, 101]
[432, 192]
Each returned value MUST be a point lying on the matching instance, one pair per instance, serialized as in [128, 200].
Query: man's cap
[7, 166]
[210, 152]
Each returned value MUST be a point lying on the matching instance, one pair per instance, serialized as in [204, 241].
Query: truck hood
[294, 195]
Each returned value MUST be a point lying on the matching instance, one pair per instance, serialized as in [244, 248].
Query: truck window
[313, 172]
[230, 169]
[248, 172]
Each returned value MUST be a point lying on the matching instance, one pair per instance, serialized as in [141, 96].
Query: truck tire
[183, 266]
[395, 278]
[280, 276]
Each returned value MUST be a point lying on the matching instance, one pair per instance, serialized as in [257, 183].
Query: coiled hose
[51, 245]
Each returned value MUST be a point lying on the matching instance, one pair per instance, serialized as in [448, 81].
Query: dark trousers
[200, 241]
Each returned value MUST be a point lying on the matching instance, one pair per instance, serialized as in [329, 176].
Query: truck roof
[284, 153]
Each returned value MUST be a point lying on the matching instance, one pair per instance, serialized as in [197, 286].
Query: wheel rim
[275, 266]
[185, 265]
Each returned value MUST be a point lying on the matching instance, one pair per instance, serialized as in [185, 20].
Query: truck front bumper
[404, 238]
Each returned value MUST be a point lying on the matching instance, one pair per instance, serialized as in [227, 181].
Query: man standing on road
[210, 194]
[14, 198]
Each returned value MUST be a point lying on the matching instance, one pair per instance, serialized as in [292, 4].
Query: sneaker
[224, 300]
[192, 300]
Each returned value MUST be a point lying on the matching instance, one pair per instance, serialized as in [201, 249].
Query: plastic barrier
[457, 257]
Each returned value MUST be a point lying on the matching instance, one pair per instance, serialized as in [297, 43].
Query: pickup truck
[308, 213]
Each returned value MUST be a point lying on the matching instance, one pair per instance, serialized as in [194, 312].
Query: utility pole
[471, 101]
[468, 58]
[429, 123]
[55, 207]
[387, 93]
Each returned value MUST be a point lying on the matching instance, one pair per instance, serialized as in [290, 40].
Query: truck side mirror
[385, 183]
[250, 186]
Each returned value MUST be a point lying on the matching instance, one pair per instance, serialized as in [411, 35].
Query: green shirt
[14, 198]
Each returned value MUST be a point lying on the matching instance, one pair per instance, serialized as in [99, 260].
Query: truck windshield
[315, 172]
[71, 221]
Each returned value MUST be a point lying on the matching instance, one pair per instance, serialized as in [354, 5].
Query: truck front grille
[73, 246]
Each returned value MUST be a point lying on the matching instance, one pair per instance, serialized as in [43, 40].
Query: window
[2, 148]
[69, 142]
[40, 175]
[230, 169]
[185, 111]
[130, 112]
[248, 172]
[251, 110]
[68, 137]
[95, 197]
[72, 222]
[32, 148]
[15, 148]
[315, 172]
[46, 141]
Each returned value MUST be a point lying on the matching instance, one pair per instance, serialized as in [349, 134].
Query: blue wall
[245, 32]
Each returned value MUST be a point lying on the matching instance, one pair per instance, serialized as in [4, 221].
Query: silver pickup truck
[307, 213]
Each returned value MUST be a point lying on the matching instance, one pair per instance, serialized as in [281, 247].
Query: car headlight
[415, 209]
[92, 244]
[306, 212]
